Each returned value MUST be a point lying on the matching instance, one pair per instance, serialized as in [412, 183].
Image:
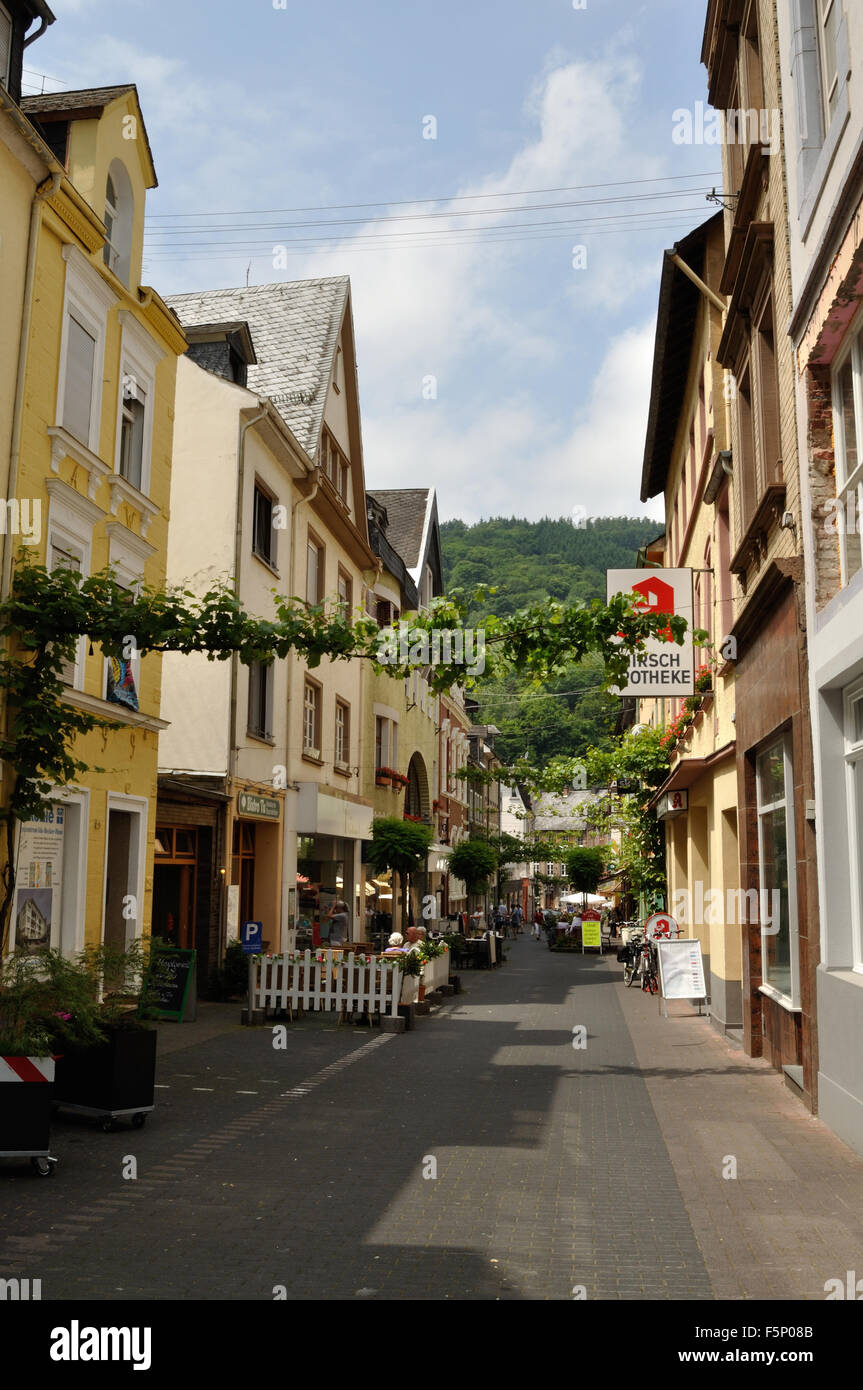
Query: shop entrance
[174, 886]
[243, 867]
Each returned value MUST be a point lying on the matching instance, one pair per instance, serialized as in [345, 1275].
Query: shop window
[776, 862]
[243, 867]
[847, 425]
[854, 784]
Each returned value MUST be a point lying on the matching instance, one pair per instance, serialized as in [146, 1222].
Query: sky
[501, 180]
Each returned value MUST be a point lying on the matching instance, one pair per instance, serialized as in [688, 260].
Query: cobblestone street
[558, 1168]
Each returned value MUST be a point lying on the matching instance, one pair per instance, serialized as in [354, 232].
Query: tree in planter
[474, 861]
[402, 847]
[584, 868]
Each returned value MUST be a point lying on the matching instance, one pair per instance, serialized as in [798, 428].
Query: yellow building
[687, 460]
[91, 456]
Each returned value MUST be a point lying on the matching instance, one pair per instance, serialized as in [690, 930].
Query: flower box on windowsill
[382, 779]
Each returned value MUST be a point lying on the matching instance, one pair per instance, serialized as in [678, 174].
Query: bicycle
[629, 954]
[648, 963]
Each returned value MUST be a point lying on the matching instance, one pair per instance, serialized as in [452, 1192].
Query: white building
[822, 65]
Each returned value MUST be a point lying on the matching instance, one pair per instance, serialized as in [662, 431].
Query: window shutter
[78, 393]
[65, 560]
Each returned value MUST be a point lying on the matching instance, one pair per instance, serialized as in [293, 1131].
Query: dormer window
[119, 211]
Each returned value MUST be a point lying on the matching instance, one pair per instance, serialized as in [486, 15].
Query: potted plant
[116, 1073]
[382, 776]
[411, 967]
[46, 1005]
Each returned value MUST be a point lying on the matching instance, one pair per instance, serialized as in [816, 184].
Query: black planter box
[118, 1074]
[25, 1116]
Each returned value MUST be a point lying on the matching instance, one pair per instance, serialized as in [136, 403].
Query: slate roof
[406, 513]
[86, 97]
[295, 327]
[58, 106]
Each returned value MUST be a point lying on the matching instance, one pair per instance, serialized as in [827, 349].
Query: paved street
[556, 1167]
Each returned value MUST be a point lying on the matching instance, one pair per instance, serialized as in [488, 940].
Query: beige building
[270, 490]
[687, 460]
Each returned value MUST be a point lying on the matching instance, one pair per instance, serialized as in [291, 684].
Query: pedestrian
[538, 924]
[339, 918]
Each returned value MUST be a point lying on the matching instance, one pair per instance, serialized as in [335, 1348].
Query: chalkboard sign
[169, 978]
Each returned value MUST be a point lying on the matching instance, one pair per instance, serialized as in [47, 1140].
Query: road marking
[203, 1088]
[247, 1093]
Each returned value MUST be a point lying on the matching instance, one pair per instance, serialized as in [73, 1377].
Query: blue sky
[541, 368]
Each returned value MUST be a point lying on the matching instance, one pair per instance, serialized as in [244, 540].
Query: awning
[688, 771]
[438, 859]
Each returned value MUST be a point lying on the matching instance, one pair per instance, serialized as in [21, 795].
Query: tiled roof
[406, 513]
[295, 328]
[73, 101]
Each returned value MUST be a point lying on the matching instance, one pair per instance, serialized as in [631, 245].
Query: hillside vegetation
[529, 561]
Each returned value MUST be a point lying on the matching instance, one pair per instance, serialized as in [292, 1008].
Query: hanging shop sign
[661, 667]
[672, 804]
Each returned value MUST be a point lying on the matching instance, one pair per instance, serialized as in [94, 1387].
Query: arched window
[119, 213]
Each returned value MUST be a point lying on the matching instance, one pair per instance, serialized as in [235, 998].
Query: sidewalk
[793, 1216]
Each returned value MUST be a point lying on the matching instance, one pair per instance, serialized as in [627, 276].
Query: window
[63, 556]
[119, 218]
[78, 389]
[260, 719]
[346, 592]
[746, 441]
[854, 783]
[263, 532]
[768, 397]
[826, 22]
[132, 423]
[776, 865]
[312, 719]
[847, 417]
[314, 571]
[5, 45]
[386, 742]
[343, 734]
[110, 254]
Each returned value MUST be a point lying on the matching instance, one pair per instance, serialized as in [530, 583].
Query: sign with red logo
[662, 667]
[661, 926]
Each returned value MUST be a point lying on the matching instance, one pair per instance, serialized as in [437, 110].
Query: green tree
[401, 846]
[584, 868]
[474, 861]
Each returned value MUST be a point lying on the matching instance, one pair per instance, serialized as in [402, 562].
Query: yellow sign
[591, 934]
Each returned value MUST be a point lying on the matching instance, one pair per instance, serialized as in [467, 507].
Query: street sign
[660, 926]
[252, 938]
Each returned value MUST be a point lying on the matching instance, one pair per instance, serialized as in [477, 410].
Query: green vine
[47, 612]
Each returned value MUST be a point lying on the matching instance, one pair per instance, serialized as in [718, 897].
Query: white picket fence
[336, 981]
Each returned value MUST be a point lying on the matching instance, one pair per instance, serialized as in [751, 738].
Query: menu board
[681, 970]
[169, 978]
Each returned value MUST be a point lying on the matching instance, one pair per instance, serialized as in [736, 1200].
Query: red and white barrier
[27, 1069]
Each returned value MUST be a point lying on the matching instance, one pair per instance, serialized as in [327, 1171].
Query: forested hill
[528, 561]
[531, 560]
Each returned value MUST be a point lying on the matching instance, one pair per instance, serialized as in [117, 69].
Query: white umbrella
[584, 899]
